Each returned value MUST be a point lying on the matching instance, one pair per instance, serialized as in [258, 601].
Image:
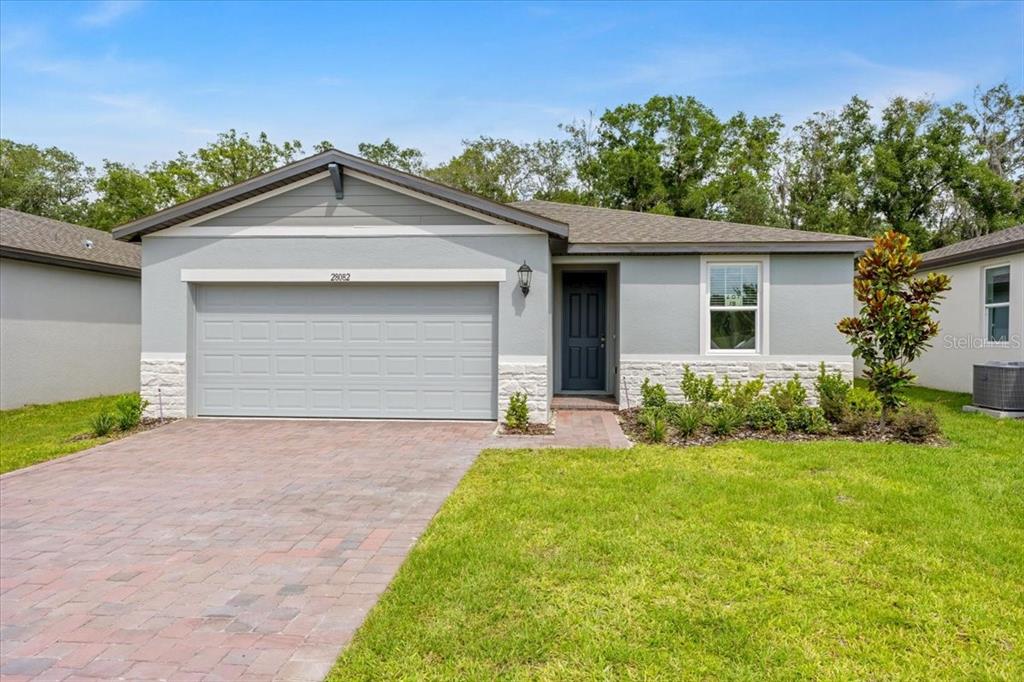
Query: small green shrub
[102, 424]
[686, 419]
[517, 414]
[854, 423]
[655, 426]
[864, 402]
[742, 393]
[128, 411]
[790, 395]
[807, 419]
[764, 414]
[724, 419]
[832, 392]
[915, 425]
[652, 396]
[698, 390]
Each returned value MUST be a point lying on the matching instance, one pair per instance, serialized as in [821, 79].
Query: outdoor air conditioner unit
[999, 386]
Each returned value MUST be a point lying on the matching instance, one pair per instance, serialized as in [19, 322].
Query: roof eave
[196, 207]
[68, 262]
[660, 248]
[993, 251]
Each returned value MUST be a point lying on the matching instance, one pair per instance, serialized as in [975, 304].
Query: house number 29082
[341, 276]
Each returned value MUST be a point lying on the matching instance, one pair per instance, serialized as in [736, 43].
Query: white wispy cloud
[676, 66]
[108, 12]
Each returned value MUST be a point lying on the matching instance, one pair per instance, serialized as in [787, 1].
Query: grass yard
[747, 560]
[36, 433]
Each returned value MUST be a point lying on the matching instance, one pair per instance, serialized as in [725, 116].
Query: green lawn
[749, 560]
[37, 433]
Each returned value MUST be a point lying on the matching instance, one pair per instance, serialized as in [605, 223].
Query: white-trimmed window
[733, 300]
[997, 304]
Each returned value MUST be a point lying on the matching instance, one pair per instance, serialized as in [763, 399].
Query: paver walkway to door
[218, 549]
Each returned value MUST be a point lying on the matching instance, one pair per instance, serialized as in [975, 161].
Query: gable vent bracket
[339, 189]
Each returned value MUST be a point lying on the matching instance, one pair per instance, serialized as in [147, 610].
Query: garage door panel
[326, 331]
[363, 351]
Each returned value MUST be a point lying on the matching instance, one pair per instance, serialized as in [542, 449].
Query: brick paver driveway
[215, 549]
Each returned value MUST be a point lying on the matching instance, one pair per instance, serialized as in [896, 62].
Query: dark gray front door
[583, 331]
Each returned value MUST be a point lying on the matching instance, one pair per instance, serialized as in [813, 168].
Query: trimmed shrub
[128, 411]
[915, 425]
[790, 395]
[742, 393]
[724, 419]
[832, 391]
[686, 419]
[655, 426]
[764, 414]
[517, 414]
[698, 390]
[863, 401]
[652, 396]
[808, 419]
[102, 424]
[854, 423]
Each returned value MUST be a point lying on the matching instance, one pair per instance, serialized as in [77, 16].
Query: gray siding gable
[364, 204]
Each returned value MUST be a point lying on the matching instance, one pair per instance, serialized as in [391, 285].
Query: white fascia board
[340, 276]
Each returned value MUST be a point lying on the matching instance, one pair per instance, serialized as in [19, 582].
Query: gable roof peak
[318, 163]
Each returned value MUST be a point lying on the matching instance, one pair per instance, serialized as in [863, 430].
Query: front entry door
[583, 331]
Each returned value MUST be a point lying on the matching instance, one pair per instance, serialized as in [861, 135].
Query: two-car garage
[354, 350]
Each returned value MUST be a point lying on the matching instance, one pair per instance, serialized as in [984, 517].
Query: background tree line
[938, 174]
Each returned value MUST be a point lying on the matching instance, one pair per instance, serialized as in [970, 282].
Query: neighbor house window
[733, 306]
[997, 303]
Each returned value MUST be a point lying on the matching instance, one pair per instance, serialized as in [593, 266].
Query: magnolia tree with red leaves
[894, 324]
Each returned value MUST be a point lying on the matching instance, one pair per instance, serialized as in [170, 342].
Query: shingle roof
[589, 225]
[1004, 241]
[35, 238]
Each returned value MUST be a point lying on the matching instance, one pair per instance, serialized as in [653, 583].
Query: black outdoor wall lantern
[525, 274]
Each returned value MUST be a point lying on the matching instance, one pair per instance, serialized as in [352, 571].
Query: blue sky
[137, 81]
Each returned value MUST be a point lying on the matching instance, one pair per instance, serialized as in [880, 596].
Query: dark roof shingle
[597, 226]
[1004, 241]
[26, 235]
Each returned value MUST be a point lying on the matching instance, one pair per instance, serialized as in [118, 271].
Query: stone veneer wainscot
[526, 374]
[162, 381]
[775, 369]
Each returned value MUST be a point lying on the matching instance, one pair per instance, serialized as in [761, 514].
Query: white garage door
[346, 351]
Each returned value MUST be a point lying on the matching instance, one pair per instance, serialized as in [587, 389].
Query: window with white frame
[734, 296]
[997, 304]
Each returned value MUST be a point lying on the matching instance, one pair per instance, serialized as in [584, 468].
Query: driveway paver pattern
[224, 549]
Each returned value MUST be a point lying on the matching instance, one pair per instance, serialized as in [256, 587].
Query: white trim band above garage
[341, 276]
[163, 357]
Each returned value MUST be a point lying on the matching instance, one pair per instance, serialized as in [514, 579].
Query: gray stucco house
[69, 311]
[335, 287]
[982, 315]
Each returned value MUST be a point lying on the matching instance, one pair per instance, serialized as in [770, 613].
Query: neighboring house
[982, 316]
[69, 311]
[335, 287]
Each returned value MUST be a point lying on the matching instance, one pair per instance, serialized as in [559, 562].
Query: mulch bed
[630, 421]
[530, 430]
[146, 424]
